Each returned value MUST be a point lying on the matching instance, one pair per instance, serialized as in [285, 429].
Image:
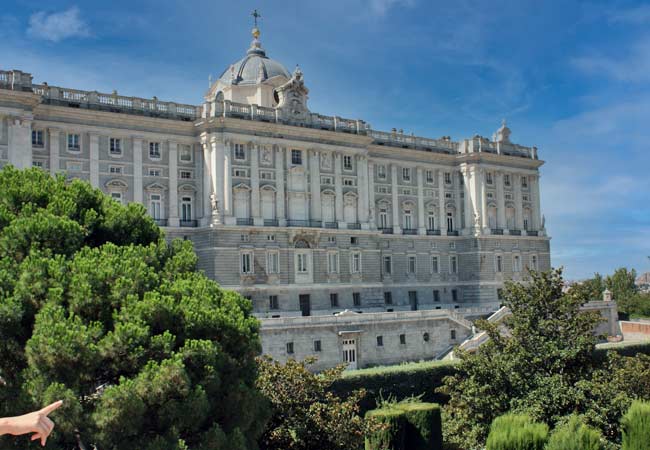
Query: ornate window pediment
[155, 187]
[186, 188]
[241, 187]
[116, 184]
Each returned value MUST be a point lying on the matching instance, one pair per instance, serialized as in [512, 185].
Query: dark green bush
[423, 426]
[516, 432]
[575, 435]
[391, 436]
[636, 427]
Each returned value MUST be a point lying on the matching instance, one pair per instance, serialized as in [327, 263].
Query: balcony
[271, 222]
[248, 221]
[304, 223]
[497, 231]
[515, 232]
[354, 226]
[452, 233]
[433, 232]
[161, 222]
[331, 225]
[409, 231]
[386, 230]
[189, 223]
[532, 233]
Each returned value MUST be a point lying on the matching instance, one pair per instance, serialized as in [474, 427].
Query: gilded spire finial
[256, 31]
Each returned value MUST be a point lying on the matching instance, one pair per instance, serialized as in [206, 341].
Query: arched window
[450, 221]
[186, 208]
[510, 217]
[492, 216]
[408, 218]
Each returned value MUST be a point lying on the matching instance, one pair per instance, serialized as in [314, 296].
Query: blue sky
[572, 78]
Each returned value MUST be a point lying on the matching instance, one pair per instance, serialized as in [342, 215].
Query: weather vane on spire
[256, 15]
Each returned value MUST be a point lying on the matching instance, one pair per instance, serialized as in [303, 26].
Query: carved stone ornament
[266, 156]
[293, 96]
[326, 160]
[214, 203]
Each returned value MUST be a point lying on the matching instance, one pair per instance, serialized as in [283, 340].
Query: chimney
[607, 295]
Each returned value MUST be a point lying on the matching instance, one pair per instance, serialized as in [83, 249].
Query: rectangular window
[290, 348]
[74, 167]
[333, 262]
[37, 138]
[115, 146]
[117, 196]
[273, 302]
[500, 294]
[406, 174]
[303, 263]
[334, 300]
[388, 265]
[186, 175]
[331, 239]
[240, 153]
[354, 240]
[453, 264]
[246, 266]
[154, 150]
[185, 154]
[273, 262]
[296, 157]
[447, 177]
[355, 262]
[270, 237]
[488, 177]
[402, 339]
[380, 341]
[429, 176]
[452, 334]
[73, 142]
[347, 162]
[436, 295]
[381, 172]
[516, 263]
[348, 182]
[388, 298]
[244, 237]
[435, 266]
[317, 346]
[356, 299]
[326, 180]
[115, 170]
[506, 179]
[155, 172]
[524, 182]
[499, 264]
[39, 164]
[454, 295]
[412, 264]
[240, 173]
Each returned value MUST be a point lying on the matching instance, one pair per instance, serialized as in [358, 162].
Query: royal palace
[354, 245]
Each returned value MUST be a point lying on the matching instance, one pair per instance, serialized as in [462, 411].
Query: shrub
[636, 427]
[575, 435]
[423, 426]
[391, 435]
[516, 432]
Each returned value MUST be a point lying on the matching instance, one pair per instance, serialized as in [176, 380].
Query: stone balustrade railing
[396, 139]
[483, 145]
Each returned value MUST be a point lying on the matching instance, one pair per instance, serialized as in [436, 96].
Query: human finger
[35, 436]
[49, 408]
[48, 424]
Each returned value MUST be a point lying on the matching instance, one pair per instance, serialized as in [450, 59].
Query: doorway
[350, 353]
[305, 304]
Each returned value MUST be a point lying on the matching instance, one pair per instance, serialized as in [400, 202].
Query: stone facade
[304, 214]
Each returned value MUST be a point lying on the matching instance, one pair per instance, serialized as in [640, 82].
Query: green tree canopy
[98, 309]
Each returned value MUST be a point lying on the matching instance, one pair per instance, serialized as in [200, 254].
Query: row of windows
[489, 179]
[114, 146]
[303, 262]
[411, 265]
[296, 157]
[318, 346]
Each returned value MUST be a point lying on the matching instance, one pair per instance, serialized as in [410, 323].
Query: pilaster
[280, 186]
[442, 219]
[225, 159]
[397, 229]
[207, 183]
[173, 220]
[421, 227]
[362, 183]
[372, 212]
[137, 169]
[94, 160]
[55, 150]
[519, 204]
[485, 223]
[501, 202]
[535, 201]
[255, 186]
[20, 142]
[338, 189]
[314, 178]
[458, 201]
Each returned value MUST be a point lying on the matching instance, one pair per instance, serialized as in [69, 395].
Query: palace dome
[255, 67]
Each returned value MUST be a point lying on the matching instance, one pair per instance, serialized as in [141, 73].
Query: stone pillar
[442, 217]
[217, 181]
[469, 217]
[55, 150]
[20, 142]
[501, 202]
[485, 223]
[137, 169]
[421, 225]
[372, 212]
[519, 204]
[535, 201]
[475, 192]
[338, 189]
[94, 160]
[207, 183]
[255, 186]
[314, 176]
[225, 183]
[397, 228]
[362, 188]
[173, 220]
[457, 200]
[279, 182]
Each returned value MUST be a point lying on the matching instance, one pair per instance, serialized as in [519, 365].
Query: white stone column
[94, 160]
[55, 150]
[338, 190]
[207, 183]
[226, 182]
[475, 192]
[137, 169]
[501, 202]
[314, 177]
[519, 204]
[217, 175]
[535, 201]
[372, 220]
[255, 186]
[485, 223]
[469, 217]
[173, 220]
[458, 201]
[20, 142]
[421, 226]
[397, 228]
[281, 195]
[362, 188]
[442, 216]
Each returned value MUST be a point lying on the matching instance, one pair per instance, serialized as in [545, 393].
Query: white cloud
[381, 7]
[633, 65]
[57, 26]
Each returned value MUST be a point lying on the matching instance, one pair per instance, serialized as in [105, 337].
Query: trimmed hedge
[423, 426]
[636, 427]
[575, 435]
[392, 436]
[516, 432]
